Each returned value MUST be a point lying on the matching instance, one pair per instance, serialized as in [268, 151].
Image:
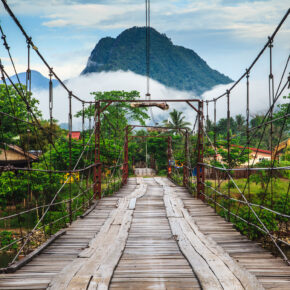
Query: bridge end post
[200, 149]
[169, 156]
[98, 166]
[126, 158]
[186, 163]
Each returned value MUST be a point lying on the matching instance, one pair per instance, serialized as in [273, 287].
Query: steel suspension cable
[270, 39]
[31, 43]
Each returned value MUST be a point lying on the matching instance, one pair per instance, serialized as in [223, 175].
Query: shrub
[6, 238]
[230, 184]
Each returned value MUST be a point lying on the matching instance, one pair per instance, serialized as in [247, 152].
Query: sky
[227, 34]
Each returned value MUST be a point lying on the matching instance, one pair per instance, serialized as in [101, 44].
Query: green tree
[157, 149]
[59, 155]
[15, 186]
[240, 123]
[117, 113]
[222, 126]
[237, 156]
[177, 121]
[262, 136]
[13, 104]
[281, 112]
[209, 125]
[114, 119]
[42, 135]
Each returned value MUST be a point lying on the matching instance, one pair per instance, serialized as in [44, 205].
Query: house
[256, 155]
[16, 156]
[75, 135]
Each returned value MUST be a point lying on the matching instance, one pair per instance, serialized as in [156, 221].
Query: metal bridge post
[215, 158]
[70, 157]
[229, 153]
[125, 165]
[98, 166]
[186, 163]
[200, 168]
[169, 156]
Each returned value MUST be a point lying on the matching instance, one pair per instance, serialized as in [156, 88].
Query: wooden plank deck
[151, 236]
[272, 272]
[152, 259]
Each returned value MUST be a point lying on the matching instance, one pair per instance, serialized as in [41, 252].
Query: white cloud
[88, 15]
[82, 86]
[245, 19]
[258, 95]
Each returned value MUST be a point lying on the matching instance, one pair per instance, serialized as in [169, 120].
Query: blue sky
[227, 34]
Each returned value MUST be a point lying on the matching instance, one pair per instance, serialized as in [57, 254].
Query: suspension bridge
[89, 222]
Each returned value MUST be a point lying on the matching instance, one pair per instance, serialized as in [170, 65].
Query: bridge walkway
[151, 235]
[152, 258]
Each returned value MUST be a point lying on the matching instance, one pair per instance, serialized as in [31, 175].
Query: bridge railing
[40, 194]
[230, 172]
[264, 216]
[39, 221]
[243, 176]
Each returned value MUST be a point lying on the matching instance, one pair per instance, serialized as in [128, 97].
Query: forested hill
[171, 65]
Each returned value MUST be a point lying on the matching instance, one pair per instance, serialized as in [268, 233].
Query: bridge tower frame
[200, 174]
[97, 188]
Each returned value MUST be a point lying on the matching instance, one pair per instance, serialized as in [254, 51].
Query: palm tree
[176, 122]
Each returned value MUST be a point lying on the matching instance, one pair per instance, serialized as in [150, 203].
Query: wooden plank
[132, 203]
[152, 259]
[87, 212]
[110, 260]
[97, 262]
[218, 262]
[226, 237]
[248, 281]
[205, 275]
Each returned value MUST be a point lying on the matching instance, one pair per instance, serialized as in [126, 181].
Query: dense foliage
[260, 135]
[27, 130]
[15, 106]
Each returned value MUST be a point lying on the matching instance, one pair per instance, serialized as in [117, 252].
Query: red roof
[75, 135]
[254, 149]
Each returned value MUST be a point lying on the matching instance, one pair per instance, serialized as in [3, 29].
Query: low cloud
[258, 99]
[82, 86]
